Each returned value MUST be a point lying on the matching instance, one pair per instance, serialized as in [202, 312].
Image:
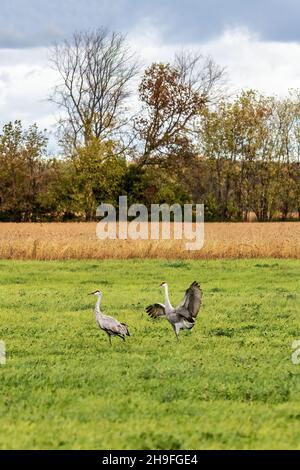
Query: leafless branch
[95, 69]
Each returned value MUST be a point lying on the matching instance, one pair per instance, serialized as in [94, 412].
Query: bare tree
[202, 75]
[96, 69]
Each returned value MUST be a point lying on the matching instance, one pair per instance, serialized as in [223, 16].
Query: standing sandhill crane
[184, 315]
[111, 326]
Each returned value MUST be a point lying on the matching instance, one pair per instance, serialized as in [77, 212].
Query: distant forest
[167, 134]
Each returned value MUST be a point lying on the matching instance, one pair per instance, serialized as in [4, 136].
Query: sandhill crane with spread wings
[184, 315]
[110, 325]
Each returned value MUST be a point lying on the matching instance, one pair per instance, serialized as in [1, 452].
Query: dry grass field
[62, 241]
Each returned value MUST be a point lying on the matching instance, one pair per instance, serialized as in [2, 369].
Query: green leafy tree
[99, 172]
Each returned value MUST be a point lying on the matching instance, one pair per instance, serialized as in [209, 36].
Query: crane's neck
[97, 308]
[167, 300]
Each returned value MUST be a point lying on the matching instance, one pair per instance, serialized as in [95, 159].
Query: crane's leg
[176, 330]
[122, 337]
[109, 337]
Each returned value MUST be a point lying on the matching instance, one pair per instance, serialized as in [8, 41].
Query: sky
[257, 41]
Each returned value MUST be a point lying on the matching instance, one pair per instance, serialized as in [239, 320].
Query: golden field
[62, 241]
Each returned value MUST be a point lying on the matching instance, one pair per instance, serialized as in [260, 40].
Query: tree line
[184, 140]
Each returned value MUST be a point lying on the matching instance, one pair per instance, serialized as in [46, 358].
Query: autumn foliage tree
[172, 97]
[23, 170]
[246, 141]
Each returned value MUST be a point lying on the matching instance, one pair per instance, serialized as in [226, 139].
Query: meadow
[63, 241]
[228, 384]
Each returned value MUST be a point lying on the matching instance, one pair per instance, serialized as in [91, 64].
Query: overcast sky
[257, 40]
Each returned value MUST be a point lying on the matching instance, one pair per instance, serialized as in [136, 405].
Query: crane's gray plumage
[110, 325]
[185, 314]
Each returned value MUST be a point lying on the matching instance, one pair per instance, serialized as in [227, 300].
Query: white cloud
[272, 67]
[26, 78]
[25, 83]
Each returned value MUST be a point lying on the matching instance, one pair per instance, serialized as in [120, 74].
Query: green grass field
[228, 384]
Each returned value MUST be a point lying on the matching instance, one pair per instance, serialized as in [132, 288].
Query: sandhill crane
[111, 326]
[184, 315]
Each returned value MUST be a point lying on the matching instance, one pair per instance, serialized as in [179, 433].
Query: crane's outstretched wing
[192, 300]
[156, 310]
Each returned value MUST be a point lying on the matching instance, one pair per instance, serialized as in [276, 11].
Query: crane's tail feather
[189, 324]
[126, 328]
